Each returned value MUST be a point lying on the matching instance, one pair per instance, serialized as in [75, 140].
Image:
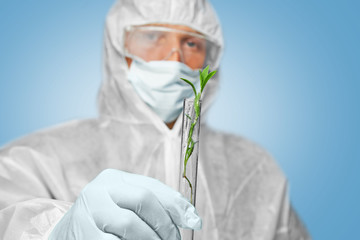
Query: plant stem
[189, 150]
[204, 78]
[191, 193]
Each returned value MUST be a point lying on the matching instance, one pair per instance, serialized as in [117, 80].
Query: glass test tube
[192, 162]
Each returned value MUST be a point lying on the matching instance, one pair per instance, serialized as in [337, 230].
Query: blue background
[290, 83]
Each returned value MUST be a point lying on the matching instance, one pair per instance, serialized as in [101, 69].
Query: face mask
[159, 85]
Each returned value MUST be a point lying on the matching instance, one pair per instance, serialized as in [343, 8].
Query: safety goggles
[155, 43]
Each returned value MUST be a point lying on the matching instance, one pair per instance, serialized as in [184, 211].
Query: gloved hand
[120, 205]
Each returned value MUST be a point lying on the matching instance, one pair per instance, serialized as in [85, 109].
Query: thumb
[183, 213]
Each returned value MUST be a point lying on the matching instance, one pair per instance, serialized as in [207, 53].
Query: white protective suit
[242, 194]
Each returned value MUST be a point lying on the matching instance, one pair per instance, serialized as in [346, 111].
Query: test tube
[189, 144]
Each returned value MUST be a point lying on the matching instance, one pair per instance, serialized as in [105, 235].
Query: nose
[175, 55]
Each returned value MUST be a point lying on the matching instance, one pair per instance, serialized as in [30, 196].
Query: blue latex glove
[120, 205]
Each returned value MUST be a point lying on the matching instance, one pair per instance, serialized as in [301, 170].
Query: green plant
[204, 78]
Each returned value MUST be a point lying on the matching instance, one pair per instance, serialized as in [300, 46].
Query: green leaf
[206, 70]
[207, 79]
[203, 75]
[188, 116]
[189, 151]
[192, 85]
[200, 76]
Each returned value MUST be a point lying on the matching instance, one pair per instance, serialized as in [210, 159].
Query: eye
[191, 44]
[194, 44]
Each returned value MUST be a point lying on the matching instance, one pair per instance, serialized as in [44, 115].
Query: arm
[28, 186]
[111, 206]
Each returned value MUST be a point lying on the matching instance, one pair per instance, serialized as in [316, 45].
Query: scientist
[115, 177]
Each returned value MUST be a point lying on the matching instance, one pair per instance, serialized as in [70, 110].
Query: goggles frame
[133, 28]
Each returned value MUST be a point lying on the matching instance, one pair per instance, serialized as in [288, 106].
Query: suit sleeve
[30, 184]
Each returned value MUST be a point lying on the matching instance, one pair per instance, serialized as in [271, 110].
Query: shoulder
[56, 136]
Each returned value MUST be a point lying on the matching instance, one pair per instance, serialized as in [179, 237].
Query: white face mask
[159, 85]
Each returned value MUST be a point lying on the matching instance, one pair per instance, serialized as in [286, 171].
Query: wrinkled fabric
[242, 193]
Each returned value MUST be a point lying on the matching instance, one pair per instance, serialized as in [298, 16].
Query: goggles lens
[154, 43]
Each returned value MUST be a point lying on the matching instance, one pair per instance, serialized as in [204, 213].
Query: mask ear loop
[173, 50]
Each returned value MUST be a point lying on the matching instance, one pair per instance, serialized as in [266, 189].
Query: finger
[148, 208]
[105, 236]
[78, 225]
[123, 223]
[181, 211]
